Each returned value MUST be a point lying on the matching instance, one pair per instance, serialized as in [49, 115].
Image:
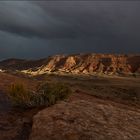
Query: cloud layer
[68, 27]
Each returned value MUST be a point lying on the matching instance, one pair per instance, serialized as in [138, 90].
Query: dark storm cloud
[68, 19]
[28, 19]
[38, 28]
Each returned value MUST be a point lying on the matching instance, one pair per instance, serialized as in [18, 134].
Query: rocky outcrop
[91, 64]
[79, 64]
[86, 120]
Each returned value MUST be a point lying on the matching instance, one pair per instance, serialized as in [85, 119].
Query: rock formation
[85, 120]
[79, 64]
[92, 64]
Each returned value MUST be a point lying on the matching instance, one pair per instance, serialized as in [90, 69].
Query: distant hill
[77, 64]
[21, 64]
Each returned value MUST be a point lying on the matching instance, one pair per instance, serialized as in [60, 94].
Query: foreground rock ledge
[83, 120]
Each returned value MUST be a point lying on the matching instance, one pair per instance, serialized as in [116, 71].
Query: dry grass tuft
[47, 94]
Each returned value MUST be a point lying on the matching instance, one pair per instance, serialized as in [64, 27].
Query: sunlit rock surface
[108, 64]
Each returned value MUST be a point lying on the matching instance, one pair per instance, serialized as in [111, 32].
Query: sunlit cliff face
[32, 29]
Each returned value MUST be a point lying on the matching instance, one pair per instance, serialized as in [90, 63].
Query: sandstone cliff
[108, 64]
[90, 64]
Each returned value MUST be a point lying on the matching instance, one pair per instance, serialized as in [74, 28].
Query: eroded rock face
[53, 63]
[85, 120]
[93, 64]
[79, 64]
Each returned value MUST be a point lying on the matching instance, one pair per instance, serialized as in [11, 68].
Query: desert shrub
[54, 92]
[19, 95]
[46, 94]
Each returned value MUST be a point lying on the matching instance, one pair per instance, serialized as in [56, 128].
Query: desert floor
[15, 124]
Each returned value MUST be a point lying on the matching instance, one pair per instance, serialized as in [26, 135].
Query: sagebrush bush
[19, 95]
[46, 94]
[54, 92]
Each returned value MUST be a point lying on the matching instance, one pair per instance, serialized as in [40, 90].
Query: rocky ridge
[108, 64]
[89, 64]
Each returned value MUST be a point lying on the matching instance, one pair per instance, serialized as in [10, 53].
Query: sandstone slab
[85, 120]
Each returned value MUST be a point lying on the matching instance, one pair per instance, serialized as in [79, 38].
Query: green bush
[54, 92]
[46, 94]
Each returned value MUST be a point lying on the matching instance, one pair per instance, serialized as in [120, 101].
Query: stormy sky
[37, 29]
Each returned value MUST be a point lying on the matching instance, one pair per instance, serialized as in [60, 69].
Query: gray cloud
[37, 29]
[69, 19]
[28, 19]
